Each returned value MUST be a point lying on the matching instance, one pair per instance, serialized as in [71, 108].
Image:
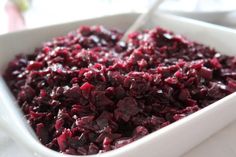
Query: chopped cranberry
[86, 89]
[62, 140]
[206, 73]
[184, 94]
[127, 108]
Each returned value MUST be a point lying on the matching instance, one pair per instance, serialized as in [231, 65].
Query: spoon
[142, 19]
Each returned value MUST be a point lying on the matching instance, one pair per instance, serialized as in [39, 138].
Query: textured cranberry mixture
[86, 93]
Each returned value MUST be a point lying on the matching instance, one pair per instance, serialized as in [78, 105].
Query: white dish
[208, 16]
[206, 10]
[171, 141]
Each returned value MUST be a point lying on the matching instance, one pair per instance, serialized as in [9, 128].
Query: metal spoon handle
[142, 19]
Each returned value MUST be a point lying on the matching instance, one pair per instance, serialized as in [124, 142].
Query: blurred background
[22, 14]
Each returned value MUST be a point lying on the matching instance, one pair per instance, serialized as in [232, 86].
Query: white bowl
[171, 141]
[207, 10]
[208, 16]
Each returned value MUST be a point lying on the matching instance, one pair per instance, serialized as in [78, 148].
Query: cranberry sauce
[86, 92]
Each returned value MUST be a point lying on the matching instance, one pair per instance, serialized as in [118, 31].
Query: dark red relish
[87, 93]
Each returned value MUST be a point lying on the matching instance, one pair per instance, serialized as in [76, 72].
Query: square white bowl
[171, 141]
